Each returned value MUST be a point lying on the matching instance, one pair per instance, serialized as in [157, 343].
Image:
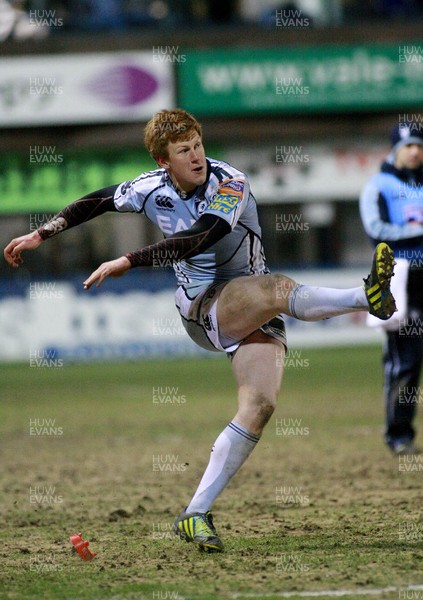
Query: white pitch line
[334, 593]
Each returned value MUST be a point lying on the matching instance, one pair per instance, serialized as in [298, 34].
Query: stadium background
[300, 95]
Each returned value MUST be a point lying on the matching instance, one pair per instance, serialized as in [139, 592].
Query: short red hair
[169, 126]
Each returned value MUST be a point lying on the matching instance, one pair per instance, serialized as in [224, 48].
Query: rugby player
[226, 296]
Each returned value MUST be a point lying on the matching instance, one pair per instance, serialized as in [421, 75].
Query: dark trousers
[402, 361]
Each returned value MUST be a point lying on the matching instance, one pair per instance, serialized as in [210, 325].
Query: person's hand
[12, 252]
[113, 268]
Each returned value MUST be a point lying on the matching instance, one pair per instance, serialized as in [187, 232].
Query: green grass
[340, 532]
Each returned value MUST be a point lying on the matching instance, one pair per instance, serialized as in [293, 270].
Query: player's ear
[163, 163]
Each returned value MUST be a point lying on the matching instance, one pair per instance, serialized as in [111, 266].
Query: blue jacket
[391, 208]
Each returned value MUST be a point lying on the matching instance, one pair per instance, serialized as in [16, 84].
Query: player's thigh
[245, 303]
[258, 368]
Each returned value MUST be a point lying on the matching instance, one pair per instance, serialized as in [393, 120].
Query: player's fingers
[98, 275]
[16, 248]
[90, 280]
[10, 247]
[13, 263]
[88, 283]
[7, 252]
[15, 254]
[101, 278]
[8, 258]
[13, 260]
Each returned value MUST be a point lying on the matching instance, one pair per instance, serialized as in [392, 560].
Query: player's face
[409, 157]
[186, 163]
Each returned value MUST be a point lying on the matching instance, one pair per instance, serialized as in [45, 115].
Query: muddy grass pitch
[114, 451]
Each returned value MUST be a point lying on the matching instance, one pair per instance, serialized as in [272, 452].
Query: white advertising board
[53, 322]
[83, 88]
[284, 172]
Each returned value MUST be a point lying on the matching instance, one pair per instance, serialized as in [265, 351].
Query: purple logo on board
[123, 86]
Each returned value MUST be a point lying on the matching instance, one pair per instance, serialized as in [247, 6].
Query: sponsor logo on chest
[173, 225]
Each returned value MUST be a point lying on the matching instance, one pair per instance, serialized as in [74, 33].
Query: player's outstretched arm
[208, 230]
[12, 252]
[77, 212]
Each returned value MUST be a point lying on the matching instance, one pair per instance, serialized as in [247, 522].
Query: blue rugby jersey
[391, 208]
[226, 193]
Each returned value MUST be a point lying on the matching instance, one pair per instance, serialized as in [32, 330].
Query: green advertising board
[45, 179]
[241, 81]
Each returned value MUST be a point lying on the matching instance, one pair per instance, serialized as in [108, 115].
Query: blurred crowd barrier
[50, 323]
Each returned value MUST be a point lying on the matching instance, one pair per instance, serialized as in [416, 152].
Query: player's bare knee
[263, 405]
[276, 290]
[283, 287]
[266, 411]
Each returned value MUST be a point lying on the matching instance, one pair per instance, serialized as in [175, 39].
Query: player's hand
[113, 268]
[12, 252]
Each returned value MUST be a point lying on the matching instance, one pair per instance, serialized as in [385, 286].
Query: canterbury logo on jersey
[208, 323]
[165, 202]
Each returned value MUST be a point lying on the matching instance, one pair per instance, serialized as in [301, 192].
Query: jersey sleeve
[129, 198]
[230, 200]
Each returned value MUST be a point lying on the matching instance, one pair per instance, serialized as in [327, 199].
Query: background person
[391, 208]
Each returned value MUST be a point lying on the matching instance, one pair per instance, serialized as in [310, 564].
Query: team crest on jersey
[165, 202]
[200, 206]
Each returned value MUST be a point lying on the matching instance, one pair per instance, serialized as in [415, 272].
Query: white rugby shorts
[200, 321]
